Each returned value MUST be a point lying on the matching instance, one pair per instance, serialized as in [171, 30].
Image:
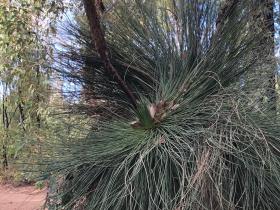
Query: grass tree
[179, 132]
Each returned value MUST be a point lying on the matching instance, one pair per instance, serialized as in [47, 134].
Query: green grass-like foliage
[196, 140]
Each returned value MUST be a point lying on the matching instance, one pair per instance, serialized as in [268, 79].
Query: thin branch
[101, 47]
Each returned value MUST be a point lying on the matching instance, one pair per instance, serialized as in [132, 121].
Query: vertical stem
[102, 49]
[5, 121]
[38, 117]
[21, 110]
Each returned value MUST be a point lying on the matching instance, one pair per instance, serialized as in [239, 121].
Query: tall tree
[6, 125]
[23, 56]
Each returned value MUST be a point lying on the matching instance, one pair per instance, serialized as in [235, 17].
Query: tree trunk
[38, 117]
[21, 110]
[5, 121]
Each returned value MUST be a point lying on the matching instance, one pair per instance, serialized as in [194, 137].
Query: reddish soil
[21, 198]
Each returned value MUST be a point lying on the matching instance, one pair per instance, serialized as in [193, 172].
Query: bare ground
[21, 198]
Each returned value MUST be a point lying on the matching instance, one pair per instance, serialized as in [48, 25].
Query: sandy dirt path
[21, 198]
